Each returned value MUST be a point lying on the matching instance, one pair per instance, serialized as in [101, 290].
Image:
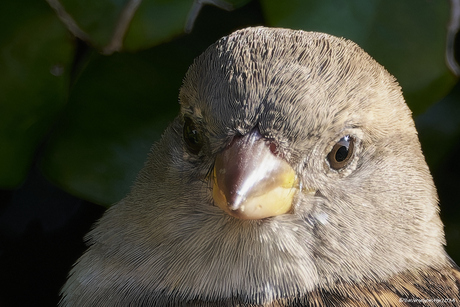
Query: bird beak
[251, 181]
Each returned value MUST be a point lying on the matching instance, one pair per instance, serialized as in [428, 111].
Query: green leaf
[407, 37]
[93, 21]
[117, 108]
[110, 24]
[34, 66]
[439, 128]
[130, 25]
[156, 21]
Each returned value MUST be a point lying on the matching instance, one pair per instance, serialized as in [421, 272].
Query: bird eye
[341, 153]
[192, 136]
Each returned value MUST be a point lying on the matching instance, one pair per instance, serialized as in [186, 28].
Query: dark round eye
[192, 136]
[341, 153]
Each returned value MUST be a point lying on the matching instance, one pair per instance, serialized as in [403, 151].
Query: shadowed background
[78, 117]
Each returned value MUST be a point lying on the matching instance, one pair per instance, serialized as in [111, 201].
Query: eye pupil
[192, 136]
[341, 153]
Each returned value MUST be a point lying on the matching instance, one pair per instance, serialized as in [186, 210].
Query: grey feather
[166, 243]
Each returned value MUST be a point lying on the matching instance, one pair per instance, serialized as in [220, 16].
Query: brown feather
[429, 287]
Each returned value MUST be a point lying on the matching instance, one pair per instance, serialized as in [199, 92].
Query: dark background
[42, 226]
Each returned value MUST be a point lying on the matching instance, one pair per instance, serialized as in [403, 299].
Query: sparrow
[293, 176]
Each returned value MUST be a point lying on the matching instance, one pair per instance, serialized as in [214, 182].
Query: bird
[292, 176]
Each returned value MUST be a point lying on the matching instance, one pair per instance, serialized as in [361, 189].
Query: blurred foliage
[36, 53]
[90, 117]
[439, 132]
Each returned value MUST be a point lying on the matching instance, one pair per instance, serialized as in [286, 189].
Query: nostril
[273, 148]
